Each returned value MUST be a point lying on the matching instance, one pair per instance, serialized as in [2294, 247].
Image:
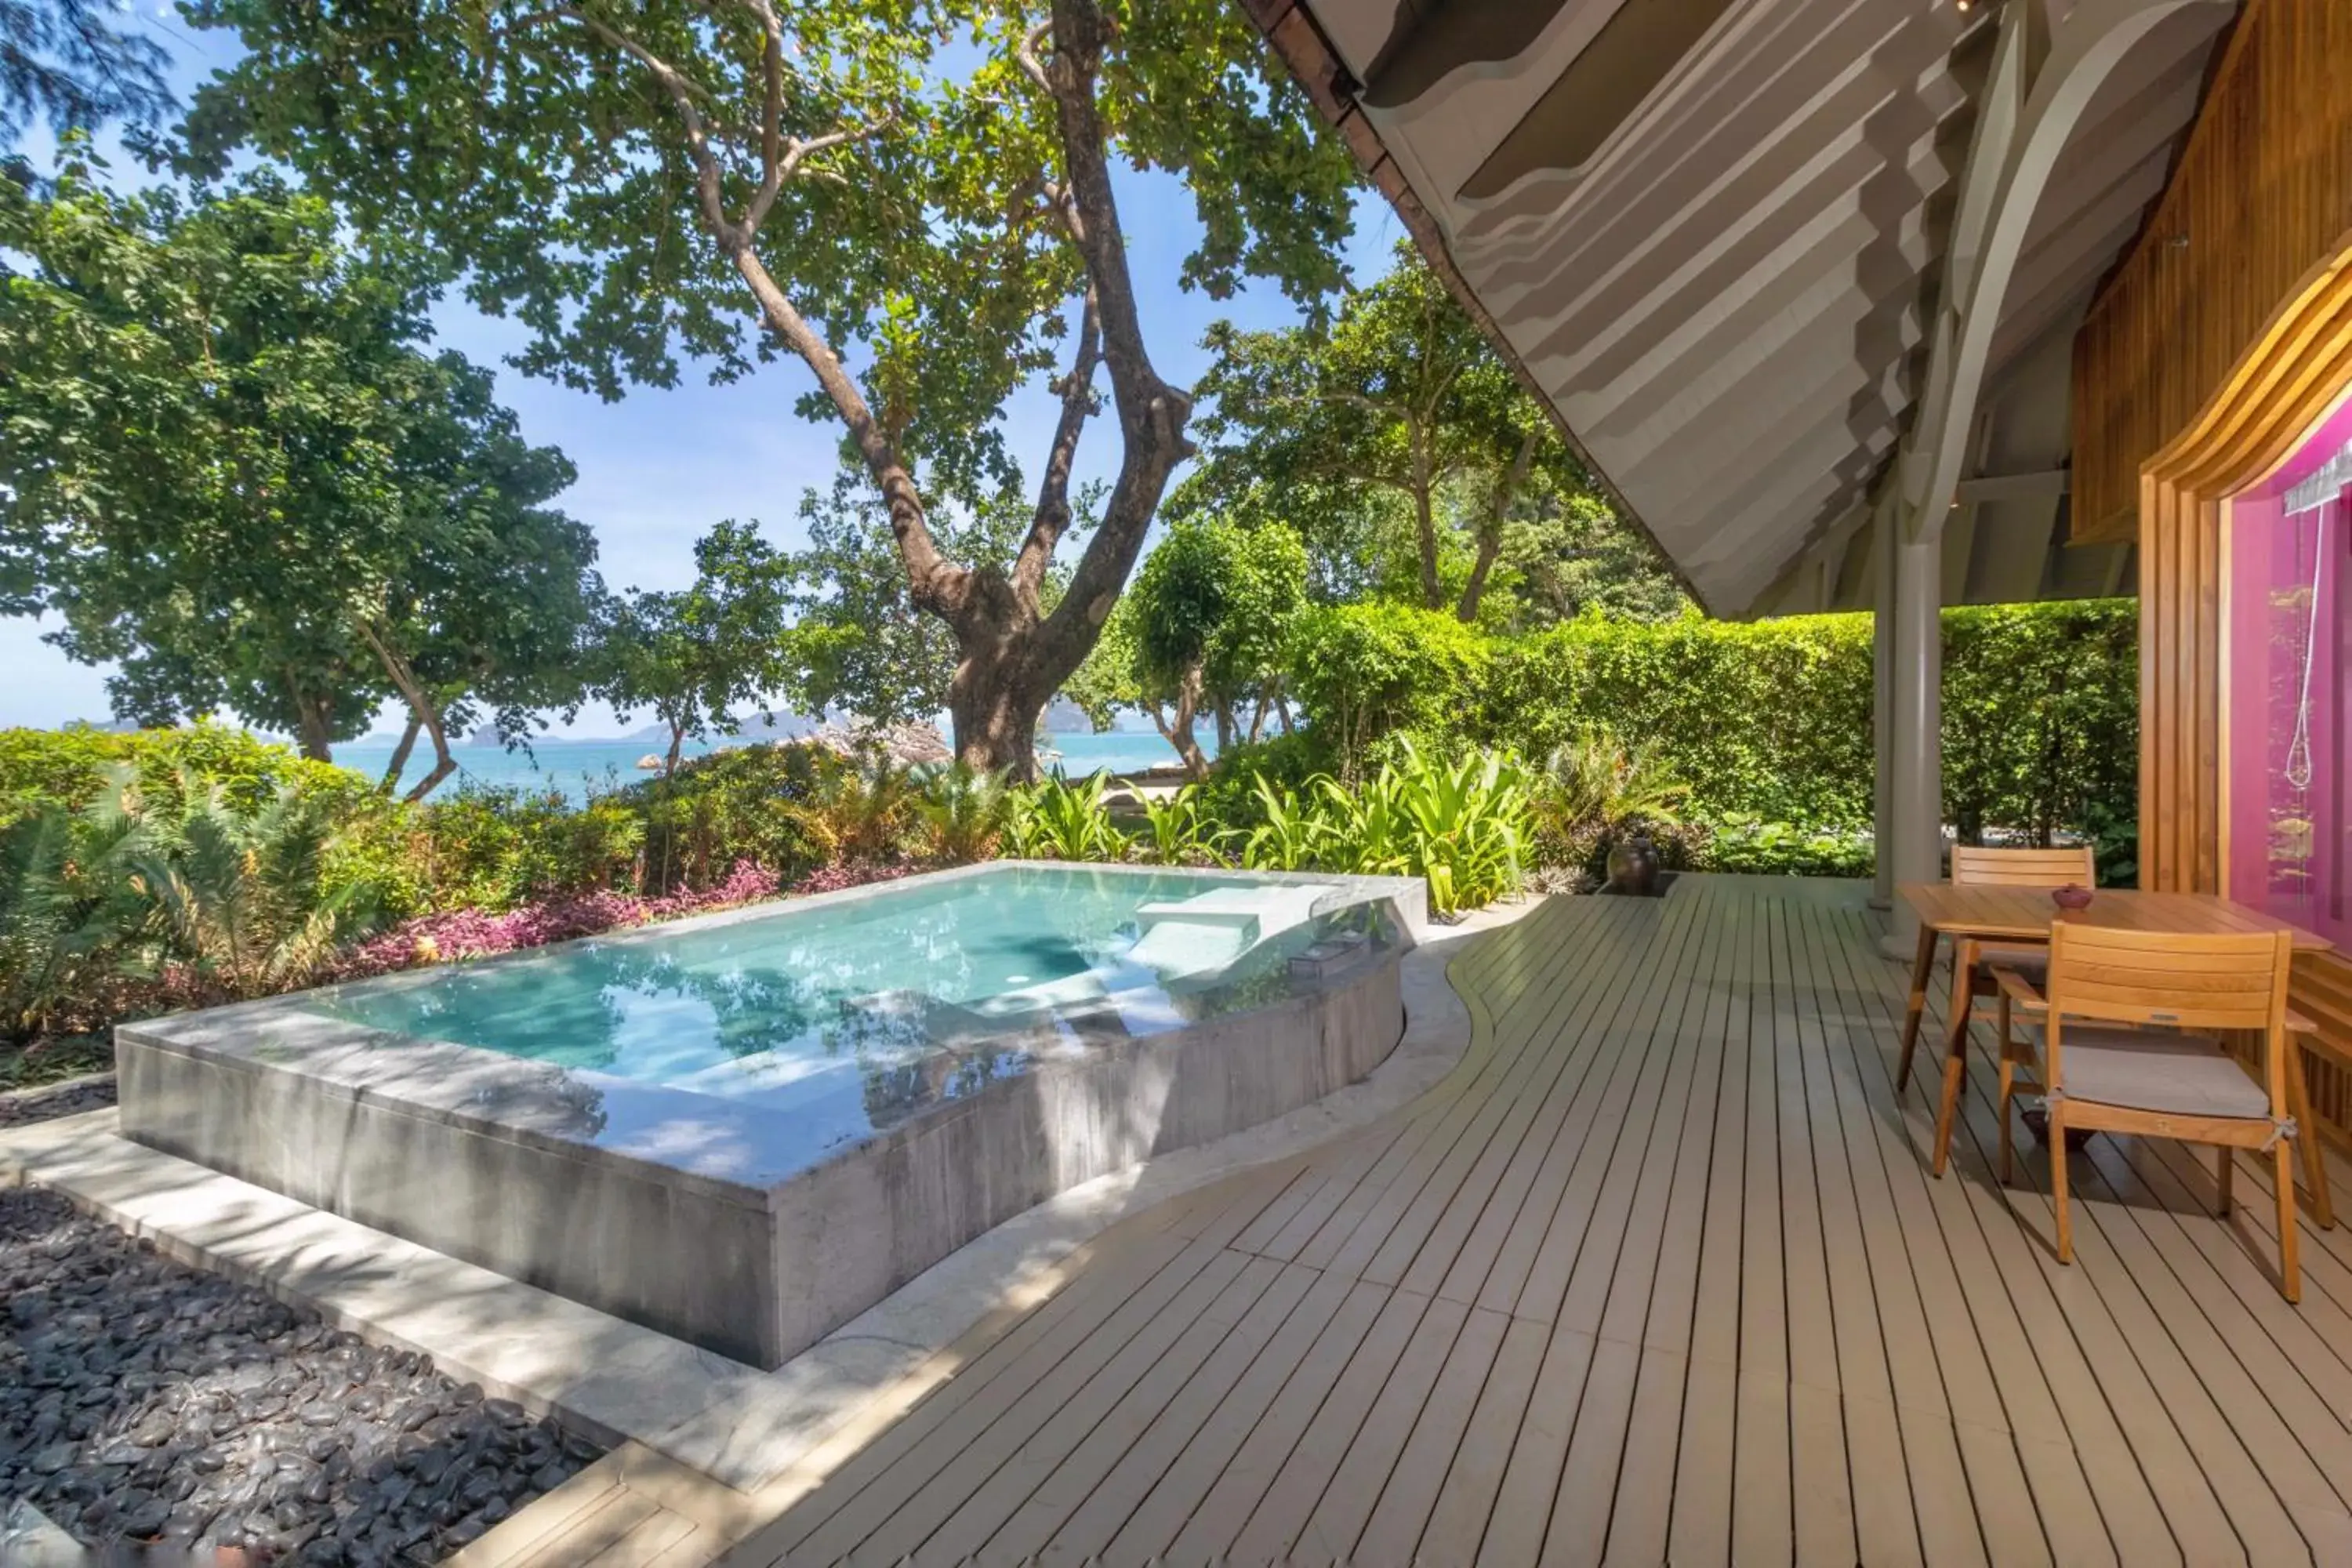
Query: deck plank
[1658, 1272]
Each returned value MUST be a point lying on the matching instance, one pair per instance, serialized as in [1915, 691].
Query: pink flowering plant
[476, 933]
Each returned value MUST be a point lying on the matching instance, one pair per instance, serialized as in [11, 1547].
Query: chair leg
[2008, 1087]
[1923, 965]
[2315, 1152]
[2058, 1182]
[2290, 1257]
[2223, 1178]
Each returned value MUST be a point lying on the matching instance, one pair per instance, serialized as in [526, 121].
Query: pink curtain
[2290, 698]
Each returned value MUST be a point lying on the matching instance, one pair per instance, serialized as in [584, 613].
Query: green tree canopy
[914, 199]
[698, 655]
[228, 463]
[1204, 628]
[1396, 421]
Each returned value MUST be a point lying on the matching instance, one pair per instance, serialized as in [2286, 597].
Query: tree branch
[1490, 537]
[399, 763]
[683, 95]
[1151, 414]
[1053, 518]
[422, 708]
[935, 583]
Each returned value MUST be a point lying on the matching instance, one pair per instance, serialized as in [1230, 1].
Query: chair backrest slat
[2234, 980]
[1978, 868]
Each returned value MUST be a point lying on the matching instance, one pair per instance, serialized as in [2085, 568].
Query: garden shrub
[1769, 723]
[1364, 670]
[1770, 719]
[1779, 848]
[2041, 719]
[1229, 795]
[741, 803]
[71, 767]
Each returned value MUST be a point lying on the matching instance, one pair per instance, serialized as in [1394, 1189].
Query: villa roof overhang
[1717, 238]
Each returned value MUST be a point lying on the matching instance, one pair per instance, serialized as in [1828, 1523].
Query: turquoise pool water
[859, 1011]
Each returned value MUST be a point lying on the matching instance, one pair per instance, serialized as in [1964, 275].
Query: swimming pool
[824, 1015]
[743, 1129]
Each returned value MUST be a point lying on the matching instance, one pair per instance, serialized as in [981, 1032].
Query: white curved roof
[1712, 233]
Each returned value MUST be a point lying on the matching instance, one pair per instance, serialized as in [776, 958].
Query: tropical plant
[237, 895]
[860, 810]
[1287, 834]
[1365, 830]
[964, 809]
[1468, 824]
[1597, 778]
[1592, 790]
[186, 892]
[62, 919]
[1054, 819]
[1177, 831]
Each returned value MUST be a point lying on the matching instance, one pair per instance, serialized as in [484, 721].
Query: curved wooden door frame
[2297, 374]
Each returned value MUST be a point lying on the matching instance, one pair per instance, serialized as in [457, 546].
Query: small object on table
[2070, 897]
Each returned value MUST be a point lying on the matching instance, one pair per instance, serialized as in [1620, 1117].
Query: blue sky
[658, 468]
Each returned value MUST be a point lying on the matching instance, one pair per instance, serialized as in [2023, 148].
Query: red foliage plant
[473, 933]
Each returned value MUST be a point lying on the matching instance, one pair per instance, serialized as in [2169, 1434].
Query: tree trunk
[1490, 545]
[313, 729]
[399, 764]
[1490, 537]
[1179, 731]
[1424, 507]
[994, 709]
[677, 745]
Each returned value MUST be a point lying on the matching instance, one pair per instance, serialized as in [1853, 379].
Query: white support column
[1884, 533]
[1914, 850]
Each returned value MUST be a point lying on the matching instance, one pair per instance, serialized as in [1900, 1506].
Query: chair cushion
[2030, 960]
[2141, 1070]
[2030, 965]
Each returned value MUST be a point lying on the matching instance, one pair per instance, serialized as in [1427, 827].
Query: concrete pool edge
[496, 1160]
[618, 1381]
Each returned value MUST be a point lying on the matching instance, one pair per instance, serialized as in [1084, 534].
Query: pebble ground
[145, 1401]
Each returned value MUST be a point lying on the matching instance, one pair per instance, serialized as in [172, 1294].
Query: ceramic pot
[2070, 897]
[1634, 867]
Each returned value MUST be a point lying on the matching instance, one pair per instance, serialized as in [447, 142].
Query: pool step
[1210, 931]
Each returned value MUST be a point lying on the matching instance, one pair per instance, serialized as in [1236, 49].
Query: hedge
[69, 767]
[1770, 721]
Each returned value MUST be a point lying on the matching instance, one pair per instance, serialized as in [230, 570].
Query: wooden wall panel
[2221, 341]
[2263, 195]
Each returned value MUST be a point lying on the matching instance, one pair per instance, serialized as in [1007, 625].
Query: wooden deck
[1657, 1275]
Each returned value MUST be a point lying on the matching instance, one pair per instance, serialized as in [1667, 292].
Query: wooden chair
[1978, 868]
[2125, 1028]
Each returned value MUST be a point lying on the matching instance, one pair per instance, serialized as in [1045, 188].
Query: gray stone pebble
[142, 1400]
[20, 1108]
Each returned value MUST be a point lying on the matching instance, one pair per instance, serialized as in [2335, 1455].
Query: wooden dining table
[2023, 916]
